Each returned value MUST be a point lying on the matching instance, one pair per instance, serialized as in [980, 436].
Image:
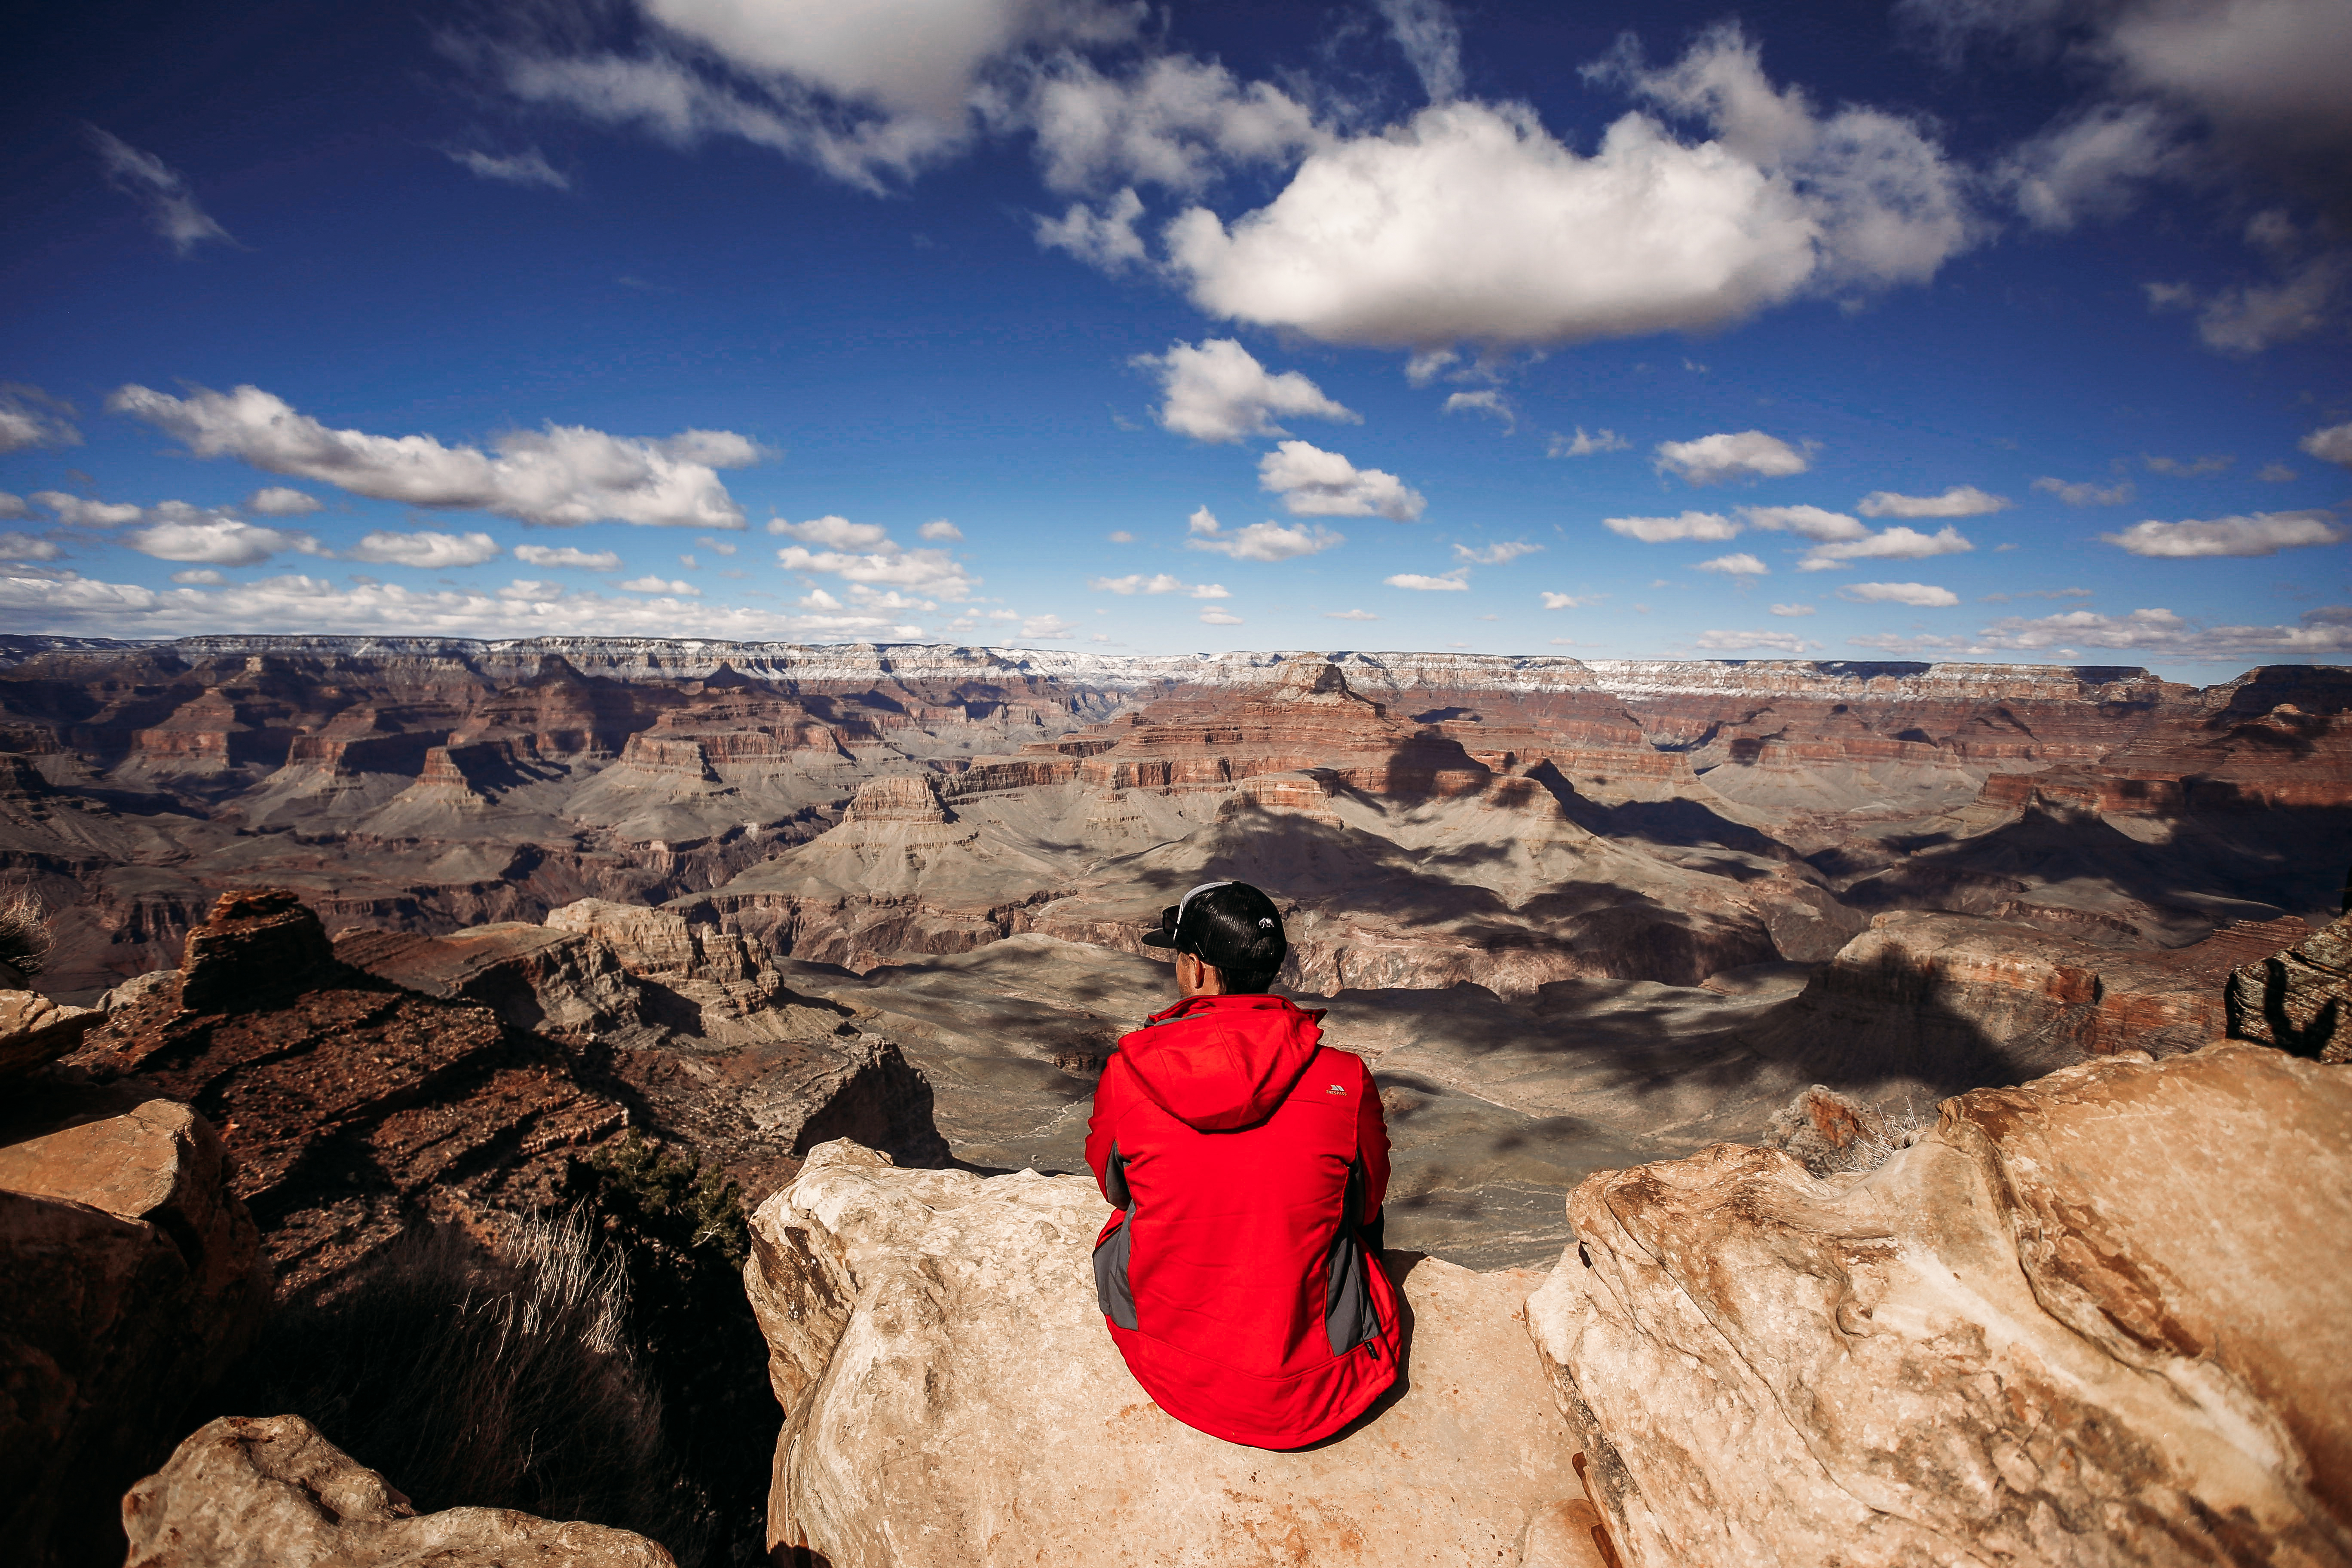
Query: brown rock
[34, 1029]
[256, 947]
[128, 1280]
[2298, 1000]
[271, 1492]
[2095, 1320]
[955, 1399]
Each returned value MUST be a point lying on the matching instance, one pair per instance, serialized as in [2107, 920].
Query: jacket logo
[1338, 1088]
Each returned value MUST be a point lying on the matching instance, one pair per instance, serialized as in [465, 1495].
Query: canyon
[1576, 914]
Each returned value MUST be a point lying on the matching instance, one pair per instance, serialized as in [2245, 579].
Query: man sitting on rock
[1242, 1277]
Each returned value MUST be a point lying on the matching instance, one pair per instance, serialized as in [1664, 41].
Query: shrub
[23, 932]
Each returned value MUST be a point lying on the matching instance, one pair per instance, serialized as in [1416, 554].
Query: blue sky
[1980, 329]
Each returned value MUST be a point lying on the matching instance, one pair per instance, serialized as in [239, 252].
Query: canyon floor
[1577, 916]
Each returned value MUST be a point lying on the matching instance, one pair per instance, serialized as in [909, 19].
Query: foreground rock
[955, 1400]
[128, 1280]
[2093, 1319]
[35, 1030]
[273, 1493]
[2299, 1000]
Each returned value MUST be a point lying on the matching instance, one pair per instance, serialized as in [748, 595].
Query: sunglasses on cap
[1171, 919]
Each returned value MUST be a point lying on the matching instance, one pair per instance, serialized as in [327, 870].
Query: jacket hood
[1222, 1063]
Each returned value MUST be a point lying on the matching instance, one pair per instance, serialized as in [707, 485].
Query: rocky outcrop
[130, 1279]
[351, 1107]
[35, 1029]
[1935, 1004]
[955, 1400]
[271, 1492]
[2299, 1000]
[2089, 1320]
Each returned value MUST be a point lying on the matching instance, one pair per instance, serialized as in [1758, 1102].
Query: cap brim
[1158, 938]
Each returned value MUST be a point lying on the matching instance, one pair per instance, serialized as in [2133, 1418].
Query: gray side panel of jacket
[1113, 1295]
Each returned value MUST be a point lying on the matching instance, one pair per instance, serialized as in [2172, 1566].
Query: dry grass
[23, 932]
[503, 1378]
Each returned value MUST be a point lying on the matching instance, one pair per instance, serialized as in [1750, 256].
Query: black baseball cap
[1229, 924]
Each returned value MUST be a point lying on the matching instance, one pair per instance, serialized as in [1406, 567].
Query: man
[1241, 1277]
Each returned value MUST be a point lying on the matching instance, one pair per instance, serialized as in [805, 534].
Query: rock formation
[955, 1400]
[2299, 1000]
[130, 1279]
[271, 1492]
[2091, 1319]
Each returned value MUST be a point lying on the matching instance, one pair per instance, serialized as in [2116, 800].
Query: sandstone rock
[34, 1029]
[256, 947]
[2299, 1000]
[954, 1399]
[271, 1492]
[128, 1280]
[2095, 1320]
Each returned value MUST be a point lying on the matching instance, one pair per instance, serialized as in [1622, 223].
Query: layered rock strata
[953, 1399]
[271, 1492]
[2089, 1320]
[351, 1108]
[2299, 1000]
[129, 1279]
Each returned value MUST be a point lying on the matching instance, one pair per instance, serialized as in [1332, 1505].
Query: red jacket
[1239, 1279]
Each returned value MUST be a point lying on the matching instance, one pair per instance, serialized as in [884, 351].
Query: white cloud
[1102, 235]
[156, 186]
[2304, 299]
[652, 585]
[2333, 444]
[425, 548]
[2326, 631]
[212, 540]
[2085, 493]
[1726, 456]
[1159, 582]
[938, 530]
[726, 547]
[2260, 533]
[1496, 554]
[78, 512]
[1921, 596]
[1959, 500]
[1217, 391]
[1215, 617]
[1349, 615]
[2092, 163]
[563, 475]
[2275, 474]
[1740, 565]
[2189, 468]
[832, 533]
[1792, 611]
[280, 501]
[1451, 583]
[200, 576]
[1120, 536]
[1813, 523]
[1487, 401]
[564, 556]
[1313, 482]
[1470, 221]
[1663, 529]
[528, 167]
[1570, 601]
[1262, 541]
[31, 417]
[1051, 629]
[931, 571]
[14, 506]
[1584, 446]
[18, 546]
[1429, 37]
[1789, 643]
[1176, 122]
[1892, 544]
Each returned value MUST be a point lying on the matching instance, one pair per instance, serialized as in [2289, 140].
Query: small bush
[23, 932]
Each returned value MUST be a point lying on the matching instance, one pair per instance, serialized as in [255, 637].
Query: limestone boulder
[954, 1399]
[34, 1030]
[271, 1492]
[2095, 1318]
[128, 1280]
